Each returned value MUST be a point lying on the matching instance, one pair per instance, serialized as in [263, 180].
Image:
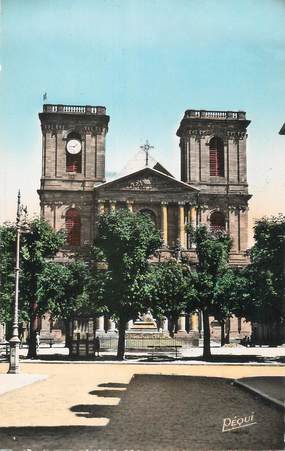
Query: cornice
[83, 129]
[200, 133]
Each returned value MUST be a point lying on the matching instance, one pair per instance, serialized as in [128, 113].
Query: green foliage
[126, 241]
[37, 244]
[40, 243]
[230, 295]
[213, 250]
[61, 289]
[265, 274]
[7, 271]
[171, 289]
[212, 271]
[212, 277]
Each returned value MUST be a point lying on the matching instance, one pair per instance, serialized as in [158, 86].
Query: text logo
[236, 422]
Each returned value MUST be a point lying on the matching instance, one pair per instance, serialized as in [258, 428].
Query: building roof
[138, 161]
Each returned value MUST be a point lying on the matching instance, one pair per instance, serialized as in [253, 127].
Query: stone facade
[226, 192]
[62, 189]
[73, 190]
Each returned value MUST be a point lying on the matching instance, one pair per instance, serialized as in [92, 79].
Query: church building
[213, 189]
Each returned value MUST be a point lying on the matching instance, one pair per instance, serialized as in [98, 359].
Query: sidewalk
[270, 388]
[10, 382]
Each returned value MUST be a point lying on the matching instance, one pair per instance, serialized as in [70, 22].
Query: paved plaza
[134, 406]
[223, 354]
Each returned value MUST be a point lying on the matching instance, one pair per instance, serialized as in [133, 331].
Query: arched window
[216, 157]
[150, 213]
[73, 163]
[73, 226]
[74, 153]
[217, 221]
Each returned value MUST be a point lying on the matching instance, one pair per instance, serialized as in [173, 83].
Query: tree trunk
[172, 325]
[121, 341]
[222, 332]
[32, 352]
[68, 338]
[207, 344]
[228, 330]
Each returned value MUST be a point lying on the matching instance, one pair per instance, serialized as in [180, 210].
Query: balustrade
[74, 109]
[203, 114]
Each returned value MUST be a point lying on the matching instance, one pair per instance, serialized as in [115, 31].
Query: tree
[213, 250]
[62, 290]
[126, 240]
[38, 244]
[171, 291]
[265, 274]
[7, 271]
[230, 297]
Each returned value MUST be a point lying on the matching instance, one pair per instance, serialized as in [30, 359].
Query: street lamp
[15, 340]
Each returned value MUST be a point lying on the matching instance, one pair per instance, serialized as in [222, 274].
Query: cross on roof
[146, 148]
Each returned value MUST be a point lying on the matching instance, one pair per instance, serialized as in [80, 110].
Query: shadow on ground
[164, 413]
[230, 358]
[107, 393]
[92, 410]
[113, 385]
[144, 358]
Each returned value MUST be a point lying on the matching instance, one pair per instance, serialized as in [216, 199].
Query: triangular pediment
[146, 180]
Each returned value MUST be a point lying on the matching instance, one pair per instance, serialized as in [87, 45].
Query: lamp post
[14, 367]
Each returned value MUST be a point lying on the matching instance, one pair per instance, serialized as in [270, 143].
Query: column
[233, 228]
[193, 218]
[2, 331]
[164, 223]
[91, 327]
[181, 324]
[111, 326]
[188, 222]
[181, 224]
[83, 326]
[129, 324]
[112, 205]
[100, 325]
[165, 326]
[75, 329]
[101, 207]
[130, 205]
[195, 322]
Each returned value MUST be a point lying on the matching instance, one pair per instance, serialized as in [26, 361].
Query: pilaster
[181, 224]
[164, 222]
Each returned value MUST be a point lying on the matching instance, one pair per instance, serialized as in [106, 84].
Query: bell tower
[213, 159]
[73, 161]
[73, 146]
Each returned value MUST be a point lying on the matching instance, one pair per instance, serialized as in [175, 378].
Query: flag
[44, 96]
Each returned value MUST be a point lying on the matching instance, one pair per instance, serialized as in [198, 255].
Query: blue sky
[147, 61]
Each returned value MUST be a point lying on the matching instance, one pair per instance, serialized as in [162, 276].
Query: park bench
[4, 347]
[49, 341]
[161, 350]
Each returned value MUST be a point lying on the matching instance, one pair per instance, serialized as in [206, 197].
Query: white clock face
[73, 146]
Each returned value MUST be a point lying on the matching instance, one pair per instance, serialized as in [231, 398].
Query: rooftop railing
[74, 109]
[222, 115]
